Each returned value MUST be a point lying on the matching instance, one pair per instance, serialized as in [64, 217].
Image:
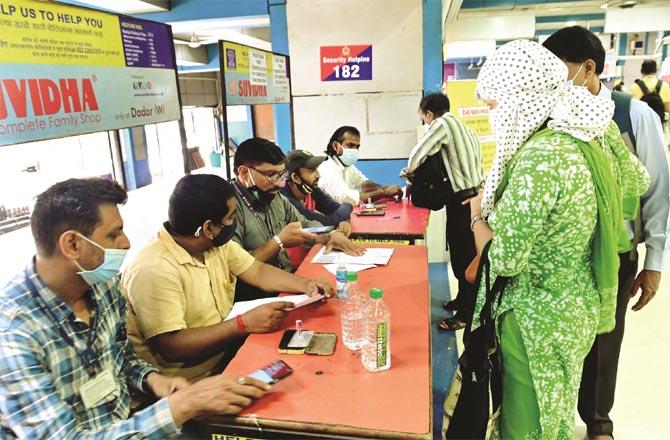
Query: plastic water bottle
[376, 355]
[351, 313]
[340, 278]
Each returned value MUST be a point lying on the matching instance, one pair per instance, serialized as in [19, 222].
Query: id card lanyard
[88, 355]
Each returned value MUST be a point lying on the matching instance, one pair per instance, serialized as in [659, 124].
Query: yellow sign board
[48, 33]
[254, 76]
[473, 113]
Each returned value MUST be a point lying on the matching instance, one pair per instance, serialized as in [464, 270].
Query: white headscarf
[529, 84]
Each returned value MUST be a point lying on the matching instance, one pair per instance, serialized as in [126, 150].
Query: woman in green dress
[552, 204]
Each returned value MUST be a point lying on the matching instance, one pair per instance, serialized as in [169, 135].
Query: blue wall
[432, 46]
[383, 171]
[279, 35]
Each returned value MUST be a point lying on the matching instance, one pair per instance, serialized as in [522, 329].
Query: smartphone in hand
[319, 229]
[272, 373]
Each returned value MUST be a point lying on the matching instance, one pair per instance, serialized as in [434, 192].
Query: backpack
[429, 183]
[653, 99]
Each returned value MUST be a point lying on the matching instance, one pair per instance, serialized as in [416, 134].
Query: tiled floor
[643, 384]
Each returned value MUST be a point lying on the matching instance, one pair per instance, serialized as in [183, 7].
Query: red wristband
[240, 324]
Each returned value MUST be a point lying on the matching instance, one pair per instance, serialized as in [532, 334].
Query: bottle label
[382, 343]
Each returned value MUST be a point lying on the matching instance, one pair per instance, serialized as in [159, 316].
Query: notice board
[66, 70]
[474, 113]
[254, 76]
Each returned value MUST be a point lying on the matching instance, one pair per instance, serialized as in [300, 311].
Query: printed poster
[473, 113]
[254, 76]
[67, 71]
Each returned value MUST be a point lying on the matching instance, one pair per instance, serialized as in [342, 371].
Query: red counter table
[403, 222]
[334, 396]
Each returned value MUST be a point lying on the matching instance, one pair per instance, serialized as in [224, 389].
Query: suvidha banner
[67, 70]
[254, 76]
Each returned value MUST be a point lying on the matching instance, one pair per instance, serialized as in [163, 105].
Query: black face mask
[226, 234]
[304, 187]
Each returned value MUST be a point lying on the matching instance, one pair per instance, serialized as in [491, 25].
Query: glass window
[28, 169]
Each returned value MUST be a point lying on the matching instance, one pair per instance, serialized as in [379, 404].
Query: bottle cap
[376, 293]
[352, 276]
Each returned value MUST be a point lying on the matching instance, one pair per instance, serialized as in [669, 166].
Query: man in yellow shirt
[648, 71]
[180, 287]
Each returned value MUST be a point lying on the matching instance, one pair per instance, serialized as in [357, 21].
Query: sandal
[450, 306]
[451, 324]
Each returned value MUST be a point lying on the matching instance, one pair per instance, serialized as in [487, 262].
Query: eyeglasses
[272, 177]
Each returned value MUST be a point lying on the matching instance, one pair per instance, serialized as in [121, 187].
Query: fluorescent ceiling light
[570, 23]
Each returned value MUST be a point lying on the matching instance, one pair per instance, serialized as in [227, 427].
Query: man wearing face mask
[267, 223]
[181, 285]
[303, 191]
[462, 158]
[67, 369]
[584, 55]
[339, 176]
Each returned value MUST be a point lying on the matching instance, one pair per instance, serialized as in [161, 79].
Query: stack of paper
[372, 256]
[242, 307]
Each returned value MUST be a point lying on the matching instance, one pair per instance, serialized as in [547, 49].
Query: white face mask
[349, 156]
[571, 82]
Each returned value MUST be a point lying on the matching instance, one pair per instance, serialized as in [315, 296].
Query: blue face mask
[109, 268]
[349, 156]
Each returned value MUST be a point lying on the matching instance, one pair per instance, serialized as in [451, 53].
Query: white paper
[242, 307]
[258, 73]
[332, 268]
[374, 256]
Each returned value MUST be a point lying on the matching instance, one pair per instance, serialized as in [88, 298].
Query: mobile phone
[371, 213]
[291, 343]
[319, 229]
[272, 373]
[322, 344]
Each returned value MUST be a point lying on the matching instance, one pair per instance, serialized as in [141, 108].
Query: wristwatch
[278, 241]
[475, 219]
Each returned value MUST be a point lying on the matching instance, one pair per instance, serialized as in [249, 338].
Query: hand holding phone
[216, 395]
[319, 229]
[272, 373]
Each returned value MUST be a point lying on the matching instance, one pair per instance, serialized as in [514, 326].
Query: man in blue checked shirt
[66, 367]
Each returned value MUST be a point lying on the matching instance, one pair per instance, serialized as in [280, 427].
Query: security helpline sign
[66, 71]
[346, 63]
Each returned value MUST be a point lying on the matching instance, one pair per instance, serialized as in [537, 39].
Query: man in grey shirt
[267, 223]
